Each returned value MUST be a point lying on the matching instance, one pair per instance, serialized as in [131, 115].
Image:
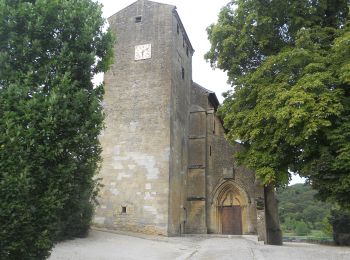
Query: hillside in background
[301, 213]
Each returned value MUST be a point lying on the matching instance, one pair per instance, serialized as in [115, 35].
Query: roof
[211, 95]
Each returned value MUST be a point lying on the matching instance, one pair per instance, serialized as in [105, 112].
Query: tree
[290, 103]
[340, 221]
[328, 164]
[301, 228]
[297, 203]
[50, 119]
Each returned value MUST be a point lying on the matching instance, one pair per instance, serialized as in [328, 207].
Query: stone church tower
[167, 168]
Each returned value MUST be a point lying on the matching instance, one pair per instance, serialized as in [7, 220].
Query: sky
[196, 16]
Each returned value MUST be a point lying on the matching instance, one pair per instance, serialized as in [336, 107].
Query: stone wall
[196, 184]
[179, 124]
[166, 163]
[217, 172]
[136, 141]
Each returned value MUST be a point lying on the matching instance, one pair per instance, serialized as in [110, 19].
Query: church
[167, 168]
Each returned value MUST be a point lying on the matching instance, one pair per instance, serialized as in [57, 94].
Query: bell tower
[147, 99]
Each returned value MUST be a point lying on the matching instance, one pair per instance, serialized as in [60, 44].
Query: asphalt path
[109, 246]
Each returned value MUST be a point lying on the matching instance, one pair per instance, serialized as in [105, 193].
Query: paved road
[108, 246]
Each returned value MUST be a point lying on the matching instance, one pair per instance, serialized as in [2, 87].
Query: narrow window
[187, 51]
[210, 150]
[183, 73]
[177, 29]
[214, 127]
[138, 19]
[123, 209]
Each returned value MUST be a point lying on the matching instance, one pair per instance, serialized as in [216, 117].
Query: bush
[327, 228]
[50, 119]
[340, 221]
[289, 225]
[301, 228]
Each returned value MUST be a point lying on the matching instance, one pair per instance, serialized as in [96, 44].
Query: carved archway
[230, 194]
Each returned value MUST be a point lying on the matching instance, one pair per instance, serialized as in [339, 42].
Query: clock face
[143, 52]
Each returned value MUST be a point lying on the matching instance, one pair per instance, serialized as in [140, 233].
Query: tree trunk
[273, 230]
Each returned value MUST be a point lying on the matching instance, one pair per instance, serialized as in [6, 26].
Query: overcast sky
[196, 16]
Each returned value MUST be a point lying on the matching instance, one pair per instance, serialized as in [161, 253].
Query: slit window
[178, 29]
[123, 209]
[187, 51]
[183, 73]
[210, 150]
[138, 19]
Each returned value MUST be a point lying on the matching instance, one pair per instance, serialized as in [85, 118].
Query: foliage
[250, 31]
[50, 118]
[340, 221]
[301, 229]
[288, 62]
[298, 208]
[326, 226]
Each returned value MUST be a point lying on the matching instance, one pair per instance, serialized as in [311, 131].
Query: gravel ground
[108, 246]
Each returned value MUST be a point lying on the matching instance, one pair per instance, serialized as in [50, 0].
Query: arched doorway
[231, 219]
[230, 202]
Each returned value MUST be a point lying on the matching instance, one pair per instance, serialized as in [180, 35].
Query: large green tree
[288, 62]
[50, 119]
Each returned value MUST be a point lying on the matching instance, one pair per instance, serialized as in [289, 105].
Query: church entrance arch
[230, 203]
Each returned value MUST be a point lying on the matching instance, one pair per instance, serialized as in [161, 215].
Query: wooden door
[231, 220]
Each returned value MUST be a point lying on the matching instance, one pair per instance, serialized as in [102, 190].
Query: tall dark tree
[50, 119]
[288, 62]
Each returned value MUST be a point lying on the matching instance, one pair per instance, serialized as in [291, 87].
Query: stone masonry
[167, 168]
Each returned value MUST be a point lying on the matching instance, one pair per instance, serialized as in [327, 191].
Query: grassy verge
[315, 237]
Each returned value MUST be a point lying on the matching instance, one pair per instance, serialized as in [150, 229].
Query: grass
[315, 236]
